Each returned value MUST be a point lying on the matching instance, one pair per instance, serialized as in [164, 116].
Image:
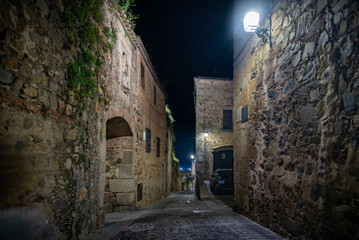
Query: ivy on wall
[125, 6]
[170, 123]
[83, 19]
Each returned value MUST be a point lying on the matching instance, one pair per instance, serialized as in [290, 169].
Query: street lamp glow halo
[251, 21]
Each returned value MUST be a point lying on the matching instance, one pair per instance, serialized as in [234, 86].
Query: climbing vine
[83, 19]
[170, 123]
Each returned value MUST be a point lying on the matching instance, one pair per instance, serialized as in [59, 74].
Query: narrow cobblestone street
[182, 216]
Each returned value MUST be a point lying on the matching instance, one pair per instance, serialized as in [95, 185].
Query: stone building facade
[213, 105]
[69, 163]
[296, 144]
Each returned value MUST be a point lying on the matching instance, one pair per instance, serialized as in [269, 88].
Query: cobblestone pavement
[226, 199]
[182, 216]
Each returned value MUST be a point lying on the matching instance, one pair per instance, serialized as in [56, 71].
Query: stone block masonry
[121, 185]
[213, 96]
[296, 158]
[72, 160]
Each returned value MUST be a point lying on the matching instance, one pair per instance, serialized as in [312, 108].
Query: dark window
[227, 120]
[154, 95]
[142, 76]
[244, 114]
[139, 192]
[158, 144]
[148, 140]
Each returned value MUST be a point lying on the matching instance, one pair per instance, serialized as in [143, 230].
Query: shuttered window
[139, 192]
[227, 120]
[158, 145]
[148, 140]
[142, 76]
[154, 95]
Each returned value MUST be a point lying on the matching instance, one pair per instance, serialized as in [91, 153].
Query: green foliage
[106, 31]
[88, 34]
[68, 17]
[87, 57]
[81, 12]
[77, 12]
[174, 157]
[74, 74]
[108, 46]
[170, 123]
[175, 169]
[126, 5]
[113, 36]
[81, 77]
[83, 18]
[98, 63]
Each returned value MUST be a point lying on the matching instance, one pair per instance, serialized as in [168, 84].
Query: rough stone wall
[151, 169]
[176, 177]
[117, 183]
[53, 156]
[169, 160]
[296, 158]
[120, 186]
[212, 97]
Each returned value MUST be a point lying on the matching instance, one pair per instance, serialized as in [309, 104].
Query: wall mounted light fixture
[205, 134]
[251, 24]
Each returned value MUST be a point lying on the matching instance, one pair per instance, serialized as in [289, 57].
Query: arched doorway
[223, 175]
[119, 184]
[222, 157]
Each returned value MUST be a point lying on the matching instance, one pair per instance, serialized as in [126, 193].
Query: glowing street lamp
[206, 134]
[251, 24]
[192, 156]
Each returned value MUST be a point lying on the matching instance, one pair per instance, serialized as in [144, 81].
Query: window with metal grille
[142, 76]
[154, 95]
[139, 192]
[227, 120]
[148, 140]
[158, 145]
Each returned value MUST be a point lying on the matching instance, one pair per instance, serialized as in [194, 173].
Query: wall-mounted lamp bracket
[262, 32]
[251, 24]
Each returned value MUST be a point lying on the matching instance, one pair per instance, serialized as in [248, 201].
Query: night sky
[186, 38]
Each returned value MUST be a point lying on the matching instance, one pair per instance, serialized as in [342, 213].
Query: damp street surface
[226, 199]
[182, 216]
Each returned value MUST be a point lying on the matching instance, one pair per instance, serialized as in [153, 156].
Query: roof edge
[148, 61]
[214, 78]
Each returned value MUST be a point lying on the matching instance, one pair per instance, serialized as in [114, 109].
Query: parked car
[222, 181]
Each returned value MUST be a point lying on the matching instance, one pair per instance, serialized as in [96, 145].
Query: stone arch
[222, 148]
[117, 127]
[119, 183]
[222, 157]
